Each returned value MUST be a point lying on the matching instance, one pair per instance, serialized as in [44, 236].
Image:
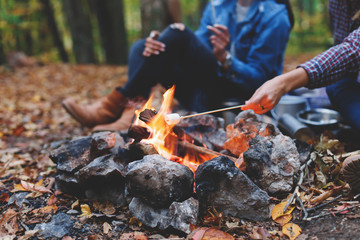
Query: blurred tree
[110, 15]
[2, 53]
[203, 4]
[158, 14]
[78, 19]
[49, 13]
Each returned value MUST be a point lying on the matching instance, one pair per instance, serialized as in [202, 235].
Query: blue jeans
[186, 63]
[345, 97]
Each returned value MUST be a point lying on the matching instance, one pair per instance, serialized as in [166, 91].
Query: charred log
[138, 133]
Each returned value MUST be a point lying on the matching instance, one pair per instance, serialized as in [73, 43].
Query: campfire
[165, 139]
[233, 169]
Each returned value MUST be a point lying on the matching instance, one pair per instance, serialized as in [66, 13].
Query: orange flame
[162, 137]
[160, 130]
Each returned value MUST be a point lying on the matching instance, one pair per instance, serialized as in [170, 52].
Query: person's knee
[177, 32]
[137, 47]
[179, 26]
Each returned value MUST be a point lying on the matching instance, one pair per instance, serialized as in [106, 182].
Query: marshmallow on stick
[174, 118]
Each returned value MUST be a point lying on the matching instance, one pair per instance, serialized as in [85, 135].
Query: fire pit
[169, 175]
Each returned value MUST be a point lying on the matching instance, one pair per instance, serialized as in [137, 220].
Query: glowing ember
[162, 137]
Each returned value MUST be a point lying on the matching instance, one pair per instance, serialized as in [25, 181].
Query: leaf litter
[32, 123]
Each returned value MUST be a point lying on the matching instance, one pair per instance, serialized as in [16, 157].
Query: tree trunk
[203, 4]
[79, 22]
[2, 53]
[158, 14]
[110, 15]
[49, 13]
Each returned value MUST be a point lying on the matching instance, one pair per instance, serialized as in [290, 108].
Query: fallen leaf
[282, 220]
[341, 207]
[26, 186]
[18, 188]
[140, 236]
[259, 233]
[8, 223]
[51, 201]
[106, 227]
[325, 195]
[8, 237]
[198, 233]
[4, 197]
[49, 209]
[205, 233]
[279, 216]
[134, 220]
[28, 234]
[291, 230]
[85, 209]
[231, 225]
[127, 236]
[75, 204]
[34, 195]
[106, 208]
[67, 238]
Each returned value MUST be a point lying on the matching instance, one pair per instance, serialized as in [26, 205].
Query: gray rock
[73, 156]
[179, 215]
[103, 143]
[91, 167]
[104, 179]
[272, 163]
[220, 184]
[59, 226]
[102, 167]
[159, 181]
[19, 199]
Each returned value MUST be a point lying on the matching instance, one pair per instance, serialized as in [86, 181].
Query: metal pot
[289, 104]
[320, 119]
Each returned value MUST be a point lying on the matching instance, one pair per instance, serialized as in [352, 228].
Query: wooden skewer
[213, 111]
[174, 118]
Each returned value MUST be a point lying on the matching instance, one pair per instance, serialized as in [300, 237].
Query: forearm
[292, 80]
[270, 93]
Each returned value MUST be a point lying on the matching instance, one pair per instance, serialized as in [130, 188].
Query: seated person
[337, 68]
[238, 46]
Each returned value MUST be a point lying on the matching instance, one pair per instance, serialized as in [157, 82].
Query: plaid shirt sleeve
[331, 65]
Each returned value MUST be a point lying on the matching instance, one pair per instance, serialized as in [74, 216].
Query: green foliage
[23, 26]
[311, 32]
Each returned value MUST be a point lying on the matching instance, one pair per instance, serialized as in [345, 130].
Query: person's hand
[152, 45]
[219, 40]
[269, 94]
[265, 97]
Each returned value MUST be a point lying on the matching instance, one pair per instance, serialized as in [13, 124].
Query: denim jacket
[259, 40]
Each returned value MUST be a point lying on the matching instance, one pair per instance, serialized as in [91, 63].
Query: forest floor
[33, 123]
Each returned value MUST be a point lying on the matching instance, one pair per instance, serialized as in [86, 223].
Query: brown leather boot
[123, 123]
[105, 110]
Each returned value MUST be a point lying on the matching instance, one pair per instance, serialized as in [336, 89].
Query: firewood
[147, 115]
[187, 146]
[138, 133]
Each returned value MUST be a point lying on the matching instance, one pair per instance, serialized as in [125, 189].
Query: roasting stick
[175, 118]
